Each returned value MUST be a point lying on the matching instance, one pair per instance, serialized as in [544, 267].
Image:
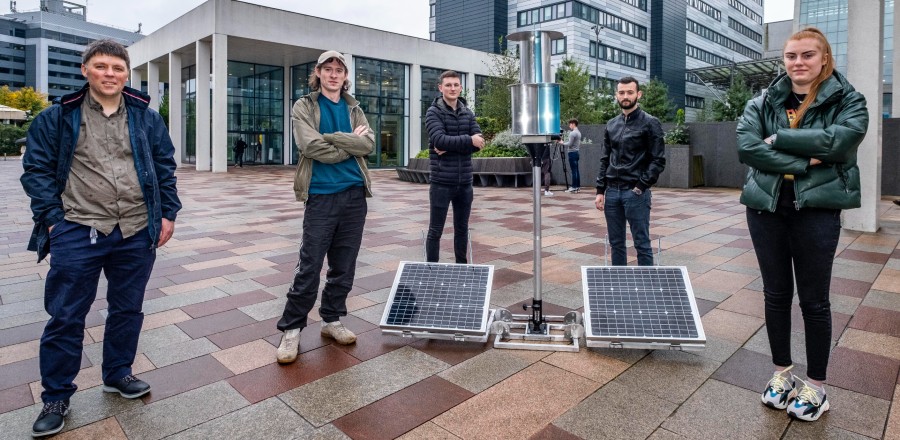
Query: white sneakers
[572, 189]
[548, 193]
[807, 403]
[290, 344]
[780, 390]
[337, 331]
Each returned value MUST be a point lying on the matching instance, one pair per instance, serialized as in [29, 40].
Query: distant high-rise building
[42, 48]
[639, 38]
[830, 16]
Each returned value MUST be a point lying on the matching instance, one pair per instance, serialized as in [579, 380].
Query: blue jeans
[793, 243]
[333, 227]
[573, 165]
[620, 204]
[441, 197]
[71, 288]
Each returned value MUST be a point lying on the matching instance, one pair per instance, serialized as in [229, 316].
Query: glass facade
[382, 91]
[256, 111]
[299, 86]
[189, 114]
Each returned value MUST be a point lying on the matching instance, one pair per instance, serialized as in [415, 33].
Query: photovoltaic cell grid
[636, 302]
[439, 296]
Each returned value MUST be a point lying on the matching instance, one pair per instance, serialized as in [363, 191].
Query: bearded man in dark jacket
[453, 136]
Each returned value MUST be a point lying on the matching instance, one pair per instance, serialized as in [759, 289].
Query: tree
[574, 96]
[605, 104]
[655, 100]
[164, 109]
[25, 98]
[736, 98]
[493, 100]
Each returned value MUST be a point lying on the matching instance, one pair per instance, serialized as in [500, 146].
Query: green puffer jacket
[327, 148]
[831, 131]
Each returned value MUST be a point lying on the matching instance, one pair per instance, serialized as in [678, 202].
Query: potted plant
[679, 160]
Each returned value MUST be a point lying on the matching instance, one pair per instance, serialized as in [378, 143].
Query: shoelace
[58, 407]
[128, 379]
[809, 394]
[778, 381]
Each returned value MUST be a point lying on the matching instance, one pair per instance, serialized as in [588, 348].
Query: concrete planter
[487, 171]
[679, 167]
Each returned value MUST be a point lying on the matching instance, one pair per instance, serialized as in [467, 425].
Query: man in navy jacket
[100, 172]
[453, 135]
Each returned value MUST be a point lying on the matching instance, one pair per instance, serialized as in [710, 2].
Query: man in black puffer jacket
[453, 136]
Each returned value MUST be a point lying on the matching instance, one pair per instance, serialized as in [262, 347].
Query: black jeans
[806, 240]
[333, 227]
[573, 165]
[441, 196]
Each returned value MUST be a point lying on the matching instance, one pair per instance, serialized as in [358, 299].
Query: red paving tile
[868, 257]
[553, 432]
[205, 274]
[843, 286]
[505, 277]
[15, 398]
[451, 352]
[183, 376]
[227, 303]
[26, 371]
[374, 343]
[749, 370]
[743, 243]
[375, 282]
[247, 333]
[273, 379]
[22, 333]
[402, 411]
[207, 325]
[275, 279]
[862, 372]
[873, 320]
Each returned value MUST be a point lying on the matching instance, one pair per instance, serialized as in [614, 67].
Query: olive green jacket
[831, 132]
[327, 148]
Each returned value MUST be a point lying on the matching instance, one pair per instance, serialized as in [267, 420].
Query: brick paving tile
[862, 372]
[247, 333]
[227, 303]
[875, 320]
[402, 411]
[553, 432]
[183, 376]
[15, 398]
[854, 288]
[207, 325]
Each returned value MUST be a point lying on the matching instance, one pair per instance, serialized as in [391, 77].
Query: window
[711, 35]
[382, 92]
[743, 9]
[694, 101]
[618, 56]
[431, 36]
[432, 10]
[558, 47]
[706, 57]
[705, 8]
[746, 31]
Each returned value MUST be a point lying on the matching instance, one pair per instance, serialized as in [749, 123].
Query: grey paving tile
[269, 419]
[844, 304]
[600, 416]
[821, 430]
[720, 410]
[21, 308]
[27, 318]
[331, 397]
[371, 314]
[170, 302]
[378, 296]
[242, 286]
[760, 344]
[563, 297]
[486, 369]
[181, 351]
[327, 432]
[855, 270]
[662, 434]
[717, 349]
[878, 299]
[180, 412]
[856, 412]
[150, 340]
[265, 310]
[30, 291]
[683, 373]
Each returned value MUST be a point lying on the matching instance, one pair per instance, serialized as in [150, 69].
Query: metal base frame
[559, 333]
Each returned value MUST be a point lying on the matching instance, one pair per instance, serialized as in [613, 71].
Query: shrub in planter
[678, 135]
[505, 144]
[8, 136]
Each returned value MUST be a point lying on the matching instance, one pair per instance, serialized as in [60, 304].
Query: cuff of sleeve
[53, 219]
[641, 186]
[600, 190]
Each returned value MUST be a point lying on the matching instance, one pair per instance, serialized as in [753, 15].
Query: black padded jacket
[451, 131]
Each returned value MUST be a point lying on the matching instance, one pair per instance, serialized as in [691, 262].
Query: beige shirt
[103, 189]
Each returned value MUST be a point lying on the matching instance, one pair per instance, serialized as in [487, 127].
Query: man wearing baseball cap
[333, 139]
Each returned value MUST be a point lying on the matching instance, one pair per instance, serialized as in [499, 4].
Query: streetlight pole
[597, 28]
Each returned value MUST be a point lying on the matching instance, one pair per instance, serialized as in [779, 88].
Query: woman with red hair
[800, 140]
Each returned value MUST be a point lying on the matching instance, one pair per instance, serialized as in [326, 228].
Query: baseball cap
[331, 54]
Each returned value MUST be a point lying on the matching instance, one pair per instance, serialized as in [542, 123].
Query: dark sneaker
[128, 387]
[780, 390]
[51, 419]
[809, 405]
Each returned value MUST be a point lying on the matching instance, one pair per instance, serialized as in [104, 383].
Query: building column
[153, 84]
[351, 73]
[895, 87]
[42, 66]
[203, 158]
[136, 79]
[288, 148]
[413, 145]
[175, 105]
[220, 103]
[865, 44]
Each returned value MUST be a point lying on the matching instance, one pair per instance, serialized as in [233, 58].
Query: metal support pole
[536, 323]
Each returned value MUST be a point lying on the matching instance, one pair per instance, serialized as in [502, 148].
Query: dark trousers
[71, 288]
[621, 204]
[573, 165]
[332, 227]
[546, 176]
[441, 197]
[793, 243]
[239, 157]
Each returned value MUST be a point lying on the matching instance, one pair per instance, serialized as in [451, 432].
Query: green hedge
[8, 136]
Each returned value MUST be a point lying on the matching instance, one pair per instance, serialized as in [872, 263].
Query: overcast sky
[409, 17]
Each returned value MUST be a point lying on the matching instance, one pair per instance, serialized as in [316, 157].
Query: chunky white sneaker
[571, 189]
[548, 193]
[809, 405]
[337, 331]
[780, 390]
[290, 344]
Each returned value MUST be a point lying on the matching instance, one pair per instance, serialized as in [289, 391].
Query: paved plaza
[209, 337]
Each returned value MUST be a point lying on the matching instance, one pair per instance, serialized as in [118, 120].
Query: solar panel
[641, 307]
[439, 297]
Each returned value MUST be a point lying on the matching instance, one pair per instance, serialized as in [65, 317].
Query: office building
[639, 38]
[42, 48]
[236, 69]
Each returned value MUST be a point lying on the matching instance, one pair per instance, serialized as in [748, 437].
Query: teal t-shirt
[328, 178]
